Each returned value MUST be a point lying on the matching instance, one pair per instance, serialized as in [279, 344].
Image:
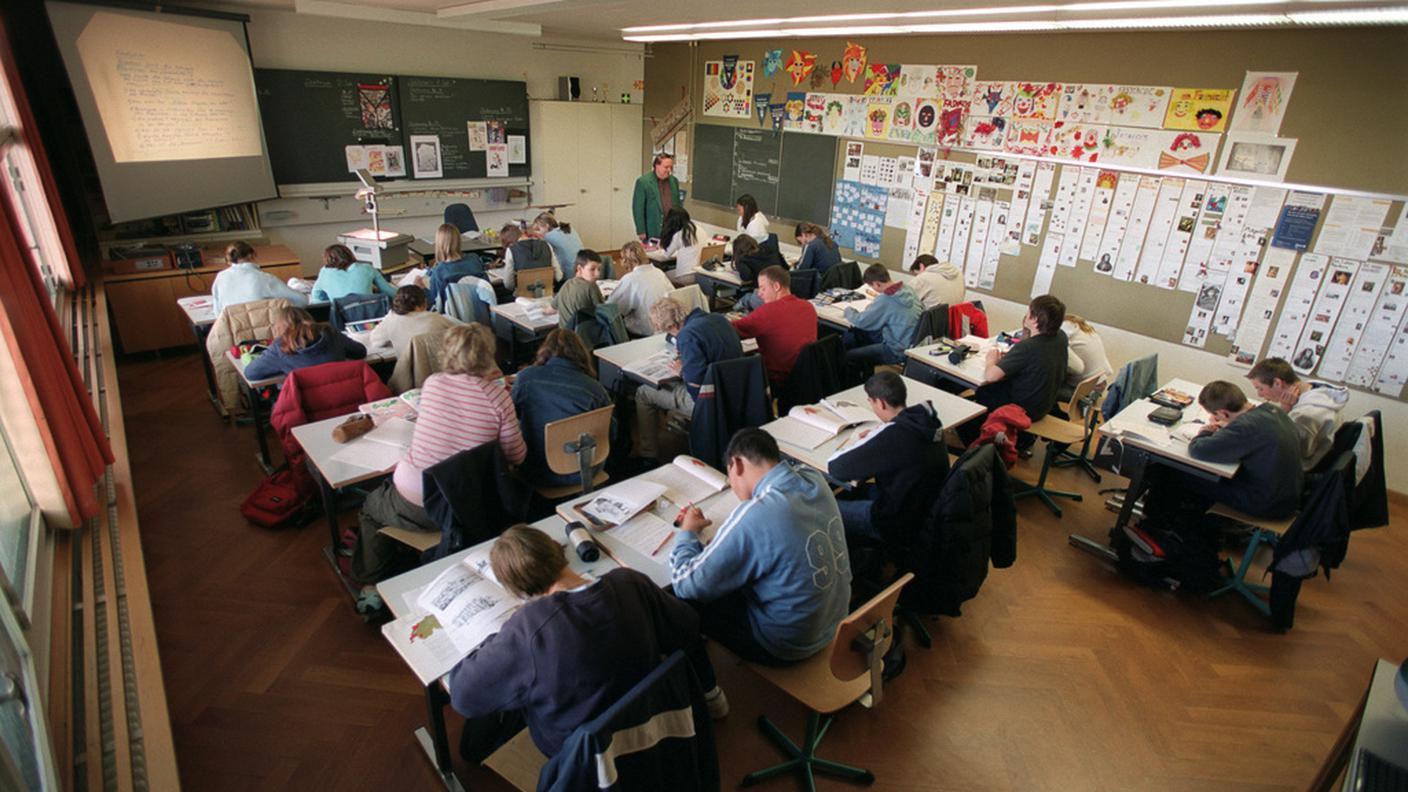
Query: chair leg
[1046, 496]
[804, 759]
[1237, 579]
[921, 633]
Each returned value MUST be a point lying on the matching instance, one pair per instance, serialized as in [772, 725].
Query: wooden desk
[952, 410]
[144, 307]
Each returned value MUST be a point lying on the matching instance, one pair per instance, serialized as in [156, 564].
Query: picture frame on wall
[1254, 156]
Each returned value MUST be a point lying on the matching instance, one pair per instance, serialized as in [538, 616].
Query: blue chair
[462, 217]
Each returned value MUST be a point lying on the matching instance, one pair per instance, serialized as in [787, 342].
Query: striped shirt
[457, 412]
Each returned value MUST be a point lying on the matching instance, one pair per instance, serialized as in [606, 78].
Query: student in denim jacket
[561, 383]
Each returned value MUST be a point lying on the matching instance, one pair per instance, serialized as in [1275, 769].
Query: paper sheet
[1299, 300]
[978, 237]
[1022, 195]
[966, 209]
[1351, 226]
[992, 249]
[1296, 224]
[929, 232]
[1335, 289]
[1120, 207]
[1101, 199]
[1065, 196]
[1160, 229]
[1046, 265]
[1203, 237]
[686, 480]
[1136, 227]
[1358, 309]
[1261, 103]
[1260, 307]
[368, 454]
[644, 533]
[1393, 374]
[948, 225]
[1039, 204]
[1079, 215]
[793, 432]
[1395, 243]
[899, 207]
[1378, 333]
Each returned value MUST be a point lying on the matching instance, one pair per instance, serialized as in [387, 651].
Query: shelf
[248, 235]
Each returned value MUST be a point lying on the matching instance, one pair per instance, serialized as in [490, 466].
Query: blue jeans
[855, 518]
[748, 303]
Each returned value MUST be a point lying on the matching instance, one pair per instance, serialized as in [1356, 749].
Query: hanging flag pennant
[761, 102]
[853, 61]
[800, 65]
[772, 62]
[778, 112]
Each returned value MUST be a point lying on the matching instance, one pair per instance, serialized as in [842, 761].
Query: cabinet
[143, 305]
[588, 155]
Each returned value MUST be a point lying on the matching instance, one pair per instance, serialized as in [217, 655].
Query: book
[644, 533]
[686, 480]
[617, 504]
[657, 368]
[810, 425]
[536, 309]
[856, 439]
[403, 406]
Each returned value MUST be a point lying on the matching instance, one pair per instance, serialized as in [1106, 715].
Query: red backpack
[284, 499]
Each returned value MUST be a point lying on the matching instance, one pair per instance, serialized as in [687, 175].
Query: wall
[285, 40]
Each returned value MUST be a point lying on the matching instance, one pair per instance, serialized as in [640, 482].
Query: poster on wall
[1084, 103]
[1139, 105]
[1256, 156]
[425, 157]
[1187, 152]
[1199, 109]
[728, 87]
[1263, 103]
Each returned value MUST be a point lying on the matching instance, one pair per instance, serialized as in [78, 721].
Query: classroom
[535, 394]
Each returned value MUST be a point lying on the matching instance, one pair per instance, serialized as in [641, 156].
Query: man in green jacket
[657, 192]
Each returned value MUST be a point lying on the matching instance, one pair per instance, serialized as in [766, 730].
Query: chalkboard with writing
[789, 173]
[311, 117]
[757, 166]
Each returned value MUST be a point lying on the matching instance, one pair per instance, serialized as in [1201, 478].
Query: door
[592, 213]
[625, 168]
[554, 152]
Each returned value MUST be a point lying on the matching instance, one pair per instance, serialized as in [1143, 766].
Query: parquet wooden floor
[1061, 675]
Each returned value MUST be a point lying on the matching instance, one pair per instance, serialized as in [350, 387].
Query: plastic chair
[846, 672]
[580, 445]
[1059, 435]
[462, 217]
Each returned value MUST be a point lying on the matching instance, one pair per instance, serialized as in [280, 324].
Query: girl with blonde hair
[642, 285]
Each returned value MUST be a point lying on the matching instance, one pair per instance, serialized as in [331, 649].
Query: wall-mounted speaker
[569, 89]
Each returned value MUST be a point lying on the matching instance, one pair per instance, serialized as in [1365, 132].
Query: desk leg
[329, 498]
[211, 389]
[434, 740]
[1136, 464]
[256, 415]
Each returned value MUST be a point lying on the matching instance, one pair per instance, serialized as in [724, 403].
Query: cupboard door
[555, 152]
[592, 212]
[626, 167]
[146, 315]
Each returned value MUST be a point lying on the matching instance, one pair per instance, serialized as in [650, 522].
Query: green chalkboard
[789, 173]
[311, 117]
[443, 106]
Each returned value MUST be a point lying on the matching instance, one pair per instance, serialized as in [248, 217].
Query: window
[19, 532]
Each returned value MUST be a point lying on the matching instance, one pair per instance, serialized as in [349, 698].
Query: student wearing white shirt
[750, 220]
[1086, 351]
[936, 283]
[244, 282]
[408, 319]
[642, 285]
[679, 240]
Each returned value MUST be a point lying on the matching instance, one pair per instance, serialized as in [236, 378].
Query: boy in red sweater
[783, 324]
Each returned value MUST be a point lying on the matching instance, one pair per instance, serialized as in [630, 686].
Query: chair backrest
[711, 253]
[531, 281]
[1134, 381]
[462, 217]
[422, 360]
[358, 308]
[469, 291]
[532, 253]
[805, 283]
[873, 621]
[613, 325]
[1081, 392]
[557, 434]
[845, 275]
[691, 297]
[816, 375]
[734, 395]
[933, 323]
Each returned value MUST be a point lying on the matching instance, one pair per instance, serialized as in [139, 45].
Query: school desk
[924, 362]
[612, 360]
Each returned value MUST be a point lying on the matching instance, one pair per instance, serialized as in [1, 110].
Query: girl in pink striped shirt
[463, 406]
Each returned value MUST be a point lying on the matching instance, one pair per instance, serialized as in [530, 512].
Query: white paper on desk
[468, 605]
[793, 432]
[369, 454]
[393, 432]
[644, 533]
[657, 368]
[620, 502]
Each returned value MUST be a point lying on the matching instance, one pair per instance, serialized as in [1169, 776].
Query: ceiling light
[1352, 16]
[1135, 23]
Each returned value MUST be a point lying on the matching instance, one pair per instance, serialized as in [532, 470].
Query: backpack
[283, 499]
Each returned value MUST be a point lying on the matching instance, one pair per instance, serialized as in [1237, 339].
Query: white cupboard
[588, 155]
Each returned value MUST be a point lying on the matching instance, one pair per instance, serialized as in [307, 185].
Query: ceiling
[605, 19]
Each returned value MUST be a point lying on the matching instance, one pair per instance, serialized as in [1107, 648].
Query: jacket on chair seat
[239, 322]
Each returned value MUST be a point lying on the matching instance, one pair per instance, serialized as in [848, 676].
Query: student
[462, 406]
[1314, 407]
[342, 274]
[819, 251]
[701, 338]
[578, 298]
[1086, 356]
[750, 257]
[902, 455]
[936, 283]
[775, 580]
[451, 263]
[642, 285]
[882, 332]
[1261, 439]
[783, 324]
[572, 650]
[300, 342]
[561, 383]
[408, 319]
[523, 251]
[656, 193]
[243, 281]
[1031, 372]
[560, 237]
[679, 240]
[751, 221]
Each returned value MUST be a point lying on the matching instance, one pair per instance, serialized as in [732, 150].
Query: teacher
[657, 192]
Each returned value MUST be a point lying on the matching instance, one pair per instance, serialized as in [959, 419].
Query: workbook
[686, 480]
[617, 504]
[657, 368]
[536, 308]
[810, 425]
[403, 406]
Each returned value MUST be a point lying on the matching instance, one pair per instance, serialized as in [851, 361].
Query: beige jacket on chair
[413, 369]
[239, 322]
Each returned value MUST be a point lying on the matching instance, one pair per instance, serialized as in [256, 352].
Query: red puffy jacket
[317, 392]
[1008, 420]
[977, 320]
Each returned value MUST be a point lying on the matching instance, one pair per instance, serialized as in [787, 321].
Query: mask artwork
[800, 65]
[853, 61]
[772, 62]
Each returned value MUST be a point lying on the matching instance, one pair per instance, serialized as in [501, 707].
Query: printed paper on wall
[1200, 109]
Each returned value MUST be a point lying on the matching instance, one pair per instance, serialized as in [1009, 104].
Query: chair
[462, 217]
[1059, 435]
[845, 275]
[613, 326]
[470, 299]
[1091, 412]
[472, 496]
[734, 395]
[691, 297]
[849, 670]
[237, 323]
[804, 283]
[816, 375]
[358, 308]
[536, 282]
[580, 444]
[932, 324]
[711, 254]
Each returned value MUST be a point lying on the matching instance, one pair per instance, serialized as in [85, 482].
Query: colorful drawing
[1256, 156]
[812, 116]
[834, 115]
[918, 80]
[857, 108]
[984, 132]
[762, 101]
[1137, 148]
[877, 118]
[1027, 136]
[836, 73]
[778, 112]
[817, 81]
[1079, 142]
[853, 61]
[956, 82]
[800, 65]
[1085, 104]
[993, 98]
[951, 121]
[1192, 152]
[882, 79]
[1199, 109]
[1036, 100]
[1263, 104]
[728, 87]
[772, 62]
[794, 109]
[926, 121]
[375, 101]
[1139, 105]
[902, 119]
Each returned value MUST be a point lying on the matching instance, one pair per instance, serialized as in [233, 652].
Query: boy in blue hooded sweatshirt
[776, 579]
[882, 332]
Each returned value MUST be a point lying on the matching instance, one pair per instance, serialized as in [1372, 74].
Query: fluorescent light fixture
[1136, 23]
[1352, 16]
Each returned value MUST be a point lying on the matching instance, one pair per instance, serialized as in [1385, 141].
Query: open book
[617, 504]
[452, 616]
[686, 480]
[657, 368]
[536, 308]
[403, 406]
[810, 425]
